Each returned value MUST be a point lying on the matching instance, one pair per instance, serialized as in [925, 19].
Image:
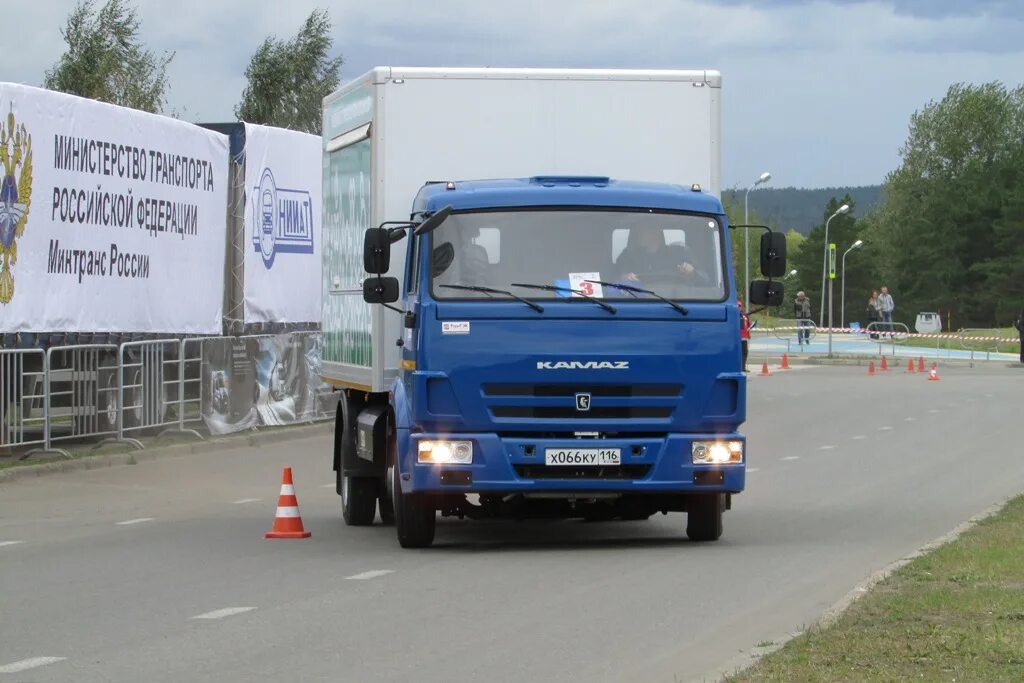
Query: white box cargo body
[393, 129]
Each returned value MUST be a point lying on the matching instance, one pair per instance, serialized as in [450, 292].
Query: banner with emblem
[111, 219]
[283, 170]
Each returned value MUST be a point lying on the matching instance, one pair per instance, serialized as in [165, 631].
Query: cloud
[819, 92]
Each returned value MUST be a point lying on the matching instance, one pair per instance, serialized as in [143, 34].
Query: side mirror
[380, 290]
[766, 293]
[434, 221]
[773, 254]
[377, 251]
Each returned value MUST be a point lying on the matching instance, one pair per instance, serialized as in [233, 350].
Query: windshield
[677, 256]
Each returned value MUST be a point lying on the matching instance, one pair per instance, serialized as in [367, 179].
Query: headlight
[716, 452]
[453, 452]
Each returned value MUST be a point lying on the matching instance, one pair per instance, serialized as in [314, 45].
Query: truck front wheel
[704, 517]
[415, 518]
[358, 499]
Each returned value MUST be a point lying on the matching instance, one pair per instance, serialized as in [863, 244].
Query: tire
[415, 520]
[704, 517]
[358, 499]
[385, 498]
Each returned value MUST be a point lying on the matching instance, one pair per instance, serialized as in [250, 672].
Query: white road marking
[859, 437]
[791, 457]
[138, 520]
[827, 447]
[753, 469]
[934, 410]
[243, 501]
[221, 613]
[26, 664]
[3, 543]
[885, 429]
[910, 419]
[329, 486]
[372, 574]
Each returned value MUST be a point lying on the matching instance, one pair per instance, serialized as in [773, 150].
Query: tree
[105, 60]
[952, 216]
[288, 79]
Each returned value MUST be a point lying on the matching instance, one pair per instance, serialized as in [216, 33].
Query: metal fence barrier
[82, 394]
[151, 395]
[898, 334]
[22, 393]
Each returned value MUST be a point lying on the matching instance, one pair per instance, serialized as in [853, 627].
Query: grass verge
[953, 614]
[967, 343]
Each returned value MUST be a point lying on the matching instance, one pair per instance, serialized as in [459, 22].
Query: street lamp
[842, 306]
[765, 177]
[790, 274]
[824, 262]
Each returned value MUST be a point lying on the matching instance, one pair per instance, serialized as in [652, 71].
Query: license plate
[593, 457]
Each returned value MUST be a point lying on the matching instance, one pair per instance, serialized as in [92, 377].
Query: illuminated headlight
[716, 452]
[453, 452]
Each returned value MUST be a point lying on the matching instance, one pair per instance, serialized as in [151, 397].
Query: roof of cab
[547, 191]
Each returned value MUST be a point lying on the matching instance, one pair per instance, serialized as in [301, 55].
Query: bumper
[516, 465]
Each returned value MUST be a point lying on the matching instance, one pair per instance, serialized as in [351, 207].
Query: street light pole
[824, 262]
[765, 177]
[842, 306]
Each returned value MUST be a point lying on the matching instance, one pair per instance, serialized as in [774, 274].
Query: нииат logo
[15, 197]
[283, 220]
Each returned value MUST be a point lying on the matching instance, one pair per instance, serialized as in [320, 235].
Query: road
[104, 573]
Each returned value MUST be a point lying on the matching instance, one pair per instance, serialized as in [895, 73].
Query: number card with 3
[578, 281]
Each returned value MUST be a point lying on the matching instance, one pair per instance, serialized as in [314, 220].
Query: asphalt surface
[103, 573]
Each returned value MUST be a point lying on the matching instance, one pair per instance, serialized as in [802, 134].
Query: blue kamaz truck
[545, 346]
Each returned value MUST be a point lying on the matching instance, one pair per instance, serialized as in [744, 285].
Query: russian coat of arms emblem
[15, 197]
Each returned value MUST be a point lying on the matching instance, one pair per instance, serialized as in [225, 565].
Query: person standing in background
[1019, 324]
[874, 314]
[802, 313]
[886, 306]
[744, 333]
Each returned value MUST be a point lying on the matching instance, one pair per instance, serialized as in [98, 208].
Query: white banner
[111, 219]
[283, 171]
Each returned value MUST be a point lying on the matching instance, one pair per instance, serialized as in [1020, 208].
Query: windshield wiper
[633, 291]
[490, 290]
[556, 288]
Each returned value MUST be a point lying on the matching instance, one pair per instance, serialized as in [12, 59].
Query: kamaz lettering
[583, 365]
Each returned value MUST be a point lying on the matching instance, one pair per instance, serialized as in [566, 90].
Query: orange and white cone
[785, 362]
[764, 370]
[920, 363]
[885, 365]
[287, 521]
[871, 367]
[910, 366]
[933, 374]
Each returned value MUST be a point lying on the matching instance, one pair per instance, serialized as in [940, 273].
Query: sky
[819, 93]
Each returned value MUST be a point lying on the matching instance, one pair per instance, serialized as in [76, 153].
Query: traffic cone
[287, 521]
[933, 376]
[920, 364]
[764, 370]
[871, 367]
[910, 365]
[785, 362]
[885, 365]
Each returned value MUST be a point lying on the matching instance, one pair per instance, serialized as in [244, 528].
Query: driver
[647, 254]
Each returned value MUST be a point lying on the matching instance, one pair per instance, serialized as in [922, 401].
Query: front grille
[546, 472]
[570, 412]
[598, 390]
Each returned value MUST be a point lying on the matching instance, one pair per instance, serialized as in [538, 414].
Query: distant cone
[933, 375]
[910, 365]
[920, 364]
[785, 362]
[871, 367]
[885, 365]
[764, 370]
[287, 521]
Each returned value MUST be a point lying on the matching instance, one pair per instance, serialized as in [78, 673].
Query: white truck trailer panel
[393, 129]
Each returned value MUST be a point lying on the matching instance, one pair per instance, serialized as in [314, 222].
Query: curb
[249, 439]
[831, 615]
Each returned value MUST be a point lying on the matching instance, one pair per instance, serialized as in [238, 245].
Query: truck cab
[570, 347]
